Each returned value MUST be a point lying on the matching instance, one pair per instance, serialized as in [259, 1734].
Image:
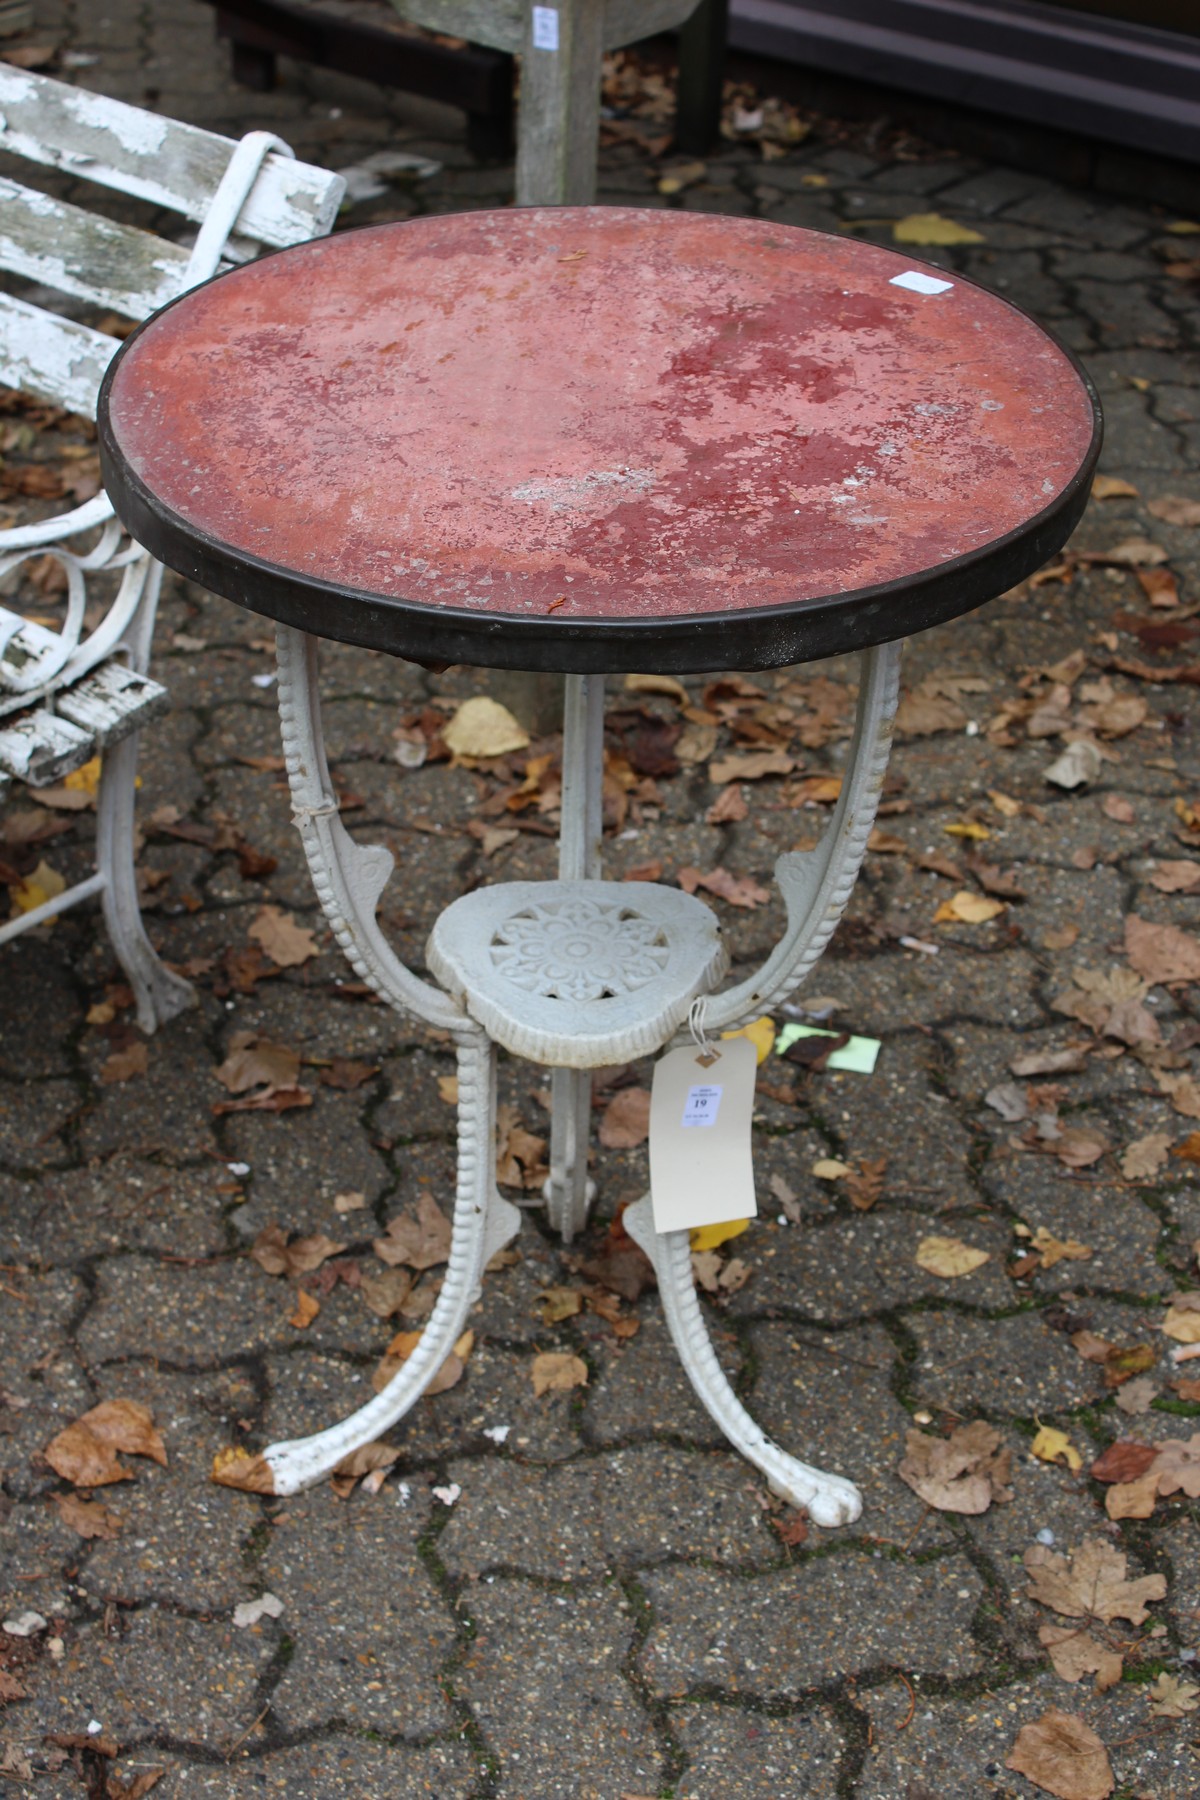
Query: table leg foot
[829, 1499]
[483, 1223]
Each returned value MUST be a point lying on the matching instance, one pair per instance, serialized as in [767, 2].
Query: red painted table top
[603, 419]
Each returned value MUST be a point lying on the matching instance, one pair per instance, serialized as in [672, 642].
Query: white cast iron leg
[483, 1223]
[569, 1192]
[830, 1500]
[160, 993]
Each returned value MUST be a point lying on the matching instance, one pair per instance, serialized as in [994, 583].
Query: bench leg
[483, 1223]
[160, 993]
[829, 1499]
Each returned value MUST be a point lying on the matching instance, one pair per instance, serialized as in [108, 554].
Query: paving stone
[736, 1755]
[338, 1767]
[641, 1391]
[775, 1636]
[37, 1123]
[369, 1629]
[532, 1648]
[1121, 1231]
[36, 1551]
[203, 1315]
[630, 1508]
[161, 1674]
[1019, 1365]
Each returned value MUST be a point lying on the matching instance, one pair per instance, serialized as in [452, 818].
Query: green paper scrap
[858, 1056]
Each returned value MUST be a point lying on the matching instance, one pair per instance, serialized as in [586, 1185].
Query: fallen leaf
[1179, 877]
[828, 1168]
[1062, 1755]
[255, 1062]
[558, 1303]
[657, 684]
[729, 808]
[385, 1293]
[922, 714]
[85, 1453]
[353, 1201]
[933, 228]
[1124, 1461]
[483, 728]
[949, 1257]
[1049, 1062]
[136, 1788]
[272, 1251]
[1171, 1697]
[1117, 808]
[1053, 1446]
[554, 1371]
[43, 884]
[1161, 953]
[710, 1237]
[1145, 1156]
[402, 1347]
[761, 1033]
[681, 176]
[90, 1518]
[306, 1309]
[1135, 1397]
[367, 1460]
[286, 943]
[750, 767]
[1079, 763]
[963, 1473]
[1183, 1324]
[236, 1468]
[1159, 586]
[1132, 1499]
[1188, 1149]
[1111, 487]
[967, 908]
[864, 1185]
[1123, 1362]
[1076, 1653]
[345, 1074]
[1055, 1250]
[626, 1120]
[520, 1154]
[1177, 1466]
[1175, 509]
[122, 1065]
[422, 1242]
[1130, 553]
[738, 890]
[1090, 1583]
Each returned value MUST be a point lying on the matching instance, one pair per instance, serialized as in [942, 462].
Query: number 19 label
[701, 1106]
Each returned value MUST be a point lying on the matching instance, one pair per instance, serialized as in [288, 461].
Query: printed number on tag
[701, 1106]
[545, 28]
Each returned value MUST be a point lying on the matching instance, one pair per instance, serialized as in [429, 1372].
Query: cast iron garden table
[589, 440]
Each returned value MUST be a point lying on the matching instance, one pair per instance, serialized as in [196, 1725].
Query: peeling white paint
[141, 133]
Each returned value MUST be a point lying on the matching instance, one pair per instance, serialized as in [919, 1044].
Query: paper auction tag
[701, 1170]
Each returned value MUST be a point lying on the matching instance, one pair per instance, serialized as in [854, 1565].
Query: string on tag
[709, 1054]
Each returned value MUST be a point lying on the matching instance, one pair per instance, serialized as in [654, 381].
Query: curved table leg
[829, 1499]
[483, 1223]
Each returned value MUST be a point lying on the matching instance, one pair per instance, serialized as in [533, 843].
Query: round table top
[598, 438]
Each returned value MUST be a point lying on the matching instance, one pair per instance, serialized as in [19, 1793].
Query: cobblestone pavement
[610, 1607]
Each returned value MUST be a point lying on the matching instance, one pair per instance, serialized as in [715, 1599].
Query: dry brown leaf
[520, 1154]
[1132, 1499]
[1176, 877]
[402, 1347]
[234, 1468]
[1078, 1146]
[1183, 1324]
[1171, 1697]
[286, 943]
[657, 684]
[967, 908]
[554, 1371]
[1177, 1466]
[626, 1121]
[257, 1062]
[136, 1788]
[1111, 487]
[85, 1453]
[752, 766]
[738, 890]
[1161, 953]
[305, 1311]
[729, 808]
[1090, 1583]
[1145, 1156]
[386, 1293]
[558, 1303]
[960, 1474]
[1183, 1091]
[123, 1064]
[922, 714]
[1049, 1062]
[422, 1242]
[1061, 1754]
[1159, 586]
[1124, 1461]
[1076, 1653]
[1130, 553]
[272, 1251]
[949, 1257]
[90, 1518]
[368, 1459]
[1175, 509]
[1118, 808]
[1135, 1397]
[483, 728]
[1055, 1250]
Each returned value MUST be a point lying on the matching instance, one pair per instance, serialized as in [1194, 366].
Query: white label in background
[701, 1170]
[545, 28]
[913, 279]
[701, 1106]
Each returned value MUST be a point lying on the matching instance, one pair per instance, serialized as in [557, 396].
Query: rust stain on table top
[607, 412]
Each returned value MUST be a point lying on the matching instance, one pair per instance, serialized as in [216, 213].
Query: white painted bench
[69, 694]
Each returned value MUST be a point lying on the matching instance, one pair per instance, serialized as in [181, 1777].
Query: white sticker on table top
[915, 280]
[701, 1106]
[545, 28]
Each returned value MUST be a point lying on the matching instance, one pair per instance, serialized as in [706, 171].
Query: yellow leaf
[482, 727]
[761, 1033]
[1111, 487]
[1055, 1250]
[1004, 803]
[932, 228]
[830, 1169]
[1140, 383]
[1052, 1446]
[307, 1308]
[707, 1237]
[969, 829]
[657, 684]
[85, 780]
[949, 1257]
[44, 884]
[1183, 227]
[448, 1089]
[967, 908]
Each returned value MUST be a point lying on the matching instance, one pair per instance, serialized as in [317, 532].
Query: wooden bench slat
[80, 253]
[159, 159]
[51, 358]
[111, 702]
